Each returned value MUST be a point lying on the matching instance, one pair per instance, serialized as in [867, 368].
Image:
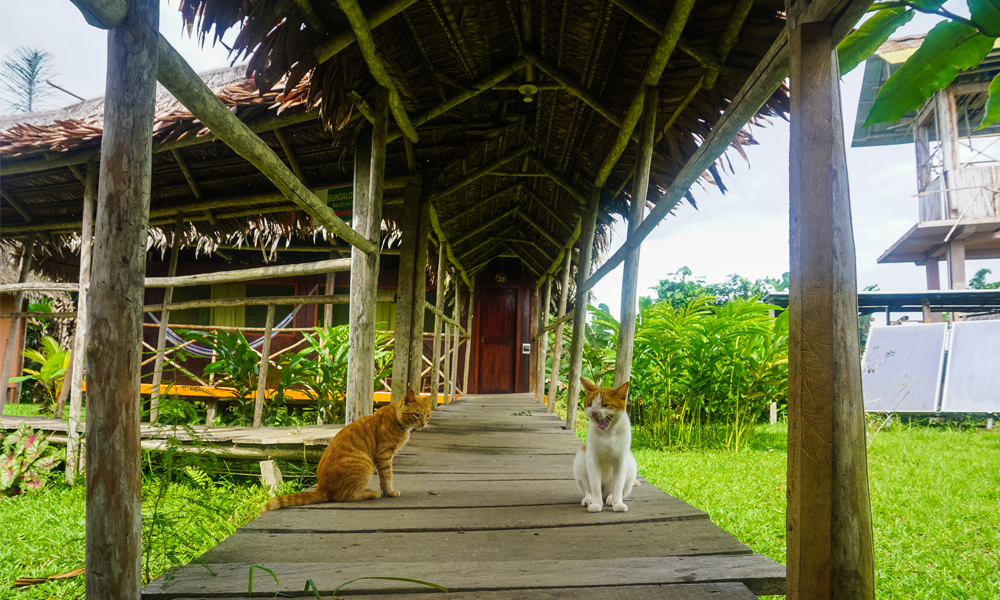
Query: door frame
[483, 289]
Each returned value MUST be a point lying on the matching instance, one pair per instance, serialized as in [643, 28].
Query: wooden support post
[409, 224]
[637, 206]
[265, 363]
[113, 513]
[456, 342]
[369, 171]
[270, 474]
[946, 111]
[328, 287]
[589, 225]
[829, 514]
[419, 295]
[445, 364]
[933, 283]
[543, 342]
[533, 319]
[82, 326]
[439, 304]
[468, 341]
[557, 348]
[956, 265]
[161, 340]
[11, 355]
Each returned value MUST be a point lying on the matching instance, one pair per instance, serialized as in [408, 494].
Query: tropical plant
[328, 381]
[953, 45]
[22, 79]
[25, 458]
[680, 288]
[978, 282]
[236, 365]
[54, 360]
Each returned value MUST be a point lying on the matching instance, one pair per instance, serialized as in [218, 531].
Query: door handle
[482, 340]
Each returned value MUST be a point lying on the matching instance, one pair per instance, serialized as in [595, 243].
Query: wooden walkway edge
[489, 509]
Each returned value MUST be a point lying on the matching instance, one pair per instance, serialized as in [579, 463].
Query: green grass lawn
[935, 496]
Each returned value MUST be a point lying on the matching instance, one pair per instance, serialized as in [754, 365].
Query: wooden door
[497, 340]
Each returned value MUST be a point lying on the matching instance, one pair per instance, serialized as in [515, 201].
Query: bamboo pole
[369, 170]
[82, 326]
[185, 85]
[457, 342]
[637, 206]
[589, 225]
[113, 514]
[439, 304]
[263, 366]
[543, 343]
[661, 54]
[161, 340]
[557, 348]
[419, 298]
[468, 340]
[14, 332]
[363, 34]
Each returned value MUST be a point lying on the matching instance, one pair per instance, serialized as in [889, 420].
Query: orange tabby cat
[366, 444]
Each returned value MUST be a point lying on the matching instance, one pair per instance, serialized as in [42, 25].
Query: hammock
[175, 339]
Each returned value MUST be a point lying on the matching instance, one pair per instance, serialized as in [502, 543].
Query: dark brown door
[497, 340]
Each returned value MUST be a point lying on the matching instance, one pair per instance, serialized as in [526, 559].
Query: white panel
[901, 368]
[973, 380]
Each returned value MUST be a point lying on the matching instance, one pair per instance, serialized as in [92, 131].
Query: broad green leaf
[872, 34]
[949, 48]
[986, 14]
[927, 5]
[992, 113]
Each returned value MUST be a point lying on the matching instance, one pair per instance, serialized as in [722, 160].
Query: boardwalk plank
[758, 573]
[670, 538]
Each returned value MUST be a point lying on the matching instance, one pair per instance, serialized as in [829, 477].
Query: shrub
[25, 460]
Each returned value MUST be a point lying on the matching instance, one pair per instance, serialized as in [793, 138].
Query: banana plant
[53, 360]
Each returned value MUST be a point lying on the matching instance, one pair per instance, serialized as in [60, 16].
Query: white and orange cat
[605, 469]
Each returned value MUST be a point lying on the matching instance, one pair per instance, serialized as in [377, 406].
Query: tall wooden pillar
[956, 265]
[419, 296]
[637, 207]
[11, 355]
[405, 298]
[439, 304]
[82, 325]
[468, 342]
[113, 548]
[557, 348]
[446, 342]
[369, 171]
[533, 327]
[829, 514]
[589, 224]
[456, 341]
[161, 340]
[543, 340]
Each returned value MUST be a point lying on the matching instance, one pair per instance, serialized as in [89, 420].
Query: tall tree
[22, 79]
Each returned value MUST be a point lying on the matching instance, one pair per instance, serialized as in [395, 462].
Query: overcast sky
[744, 231]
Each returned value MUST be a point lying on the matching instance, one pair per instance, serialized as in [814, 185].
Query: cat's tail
[314, 497]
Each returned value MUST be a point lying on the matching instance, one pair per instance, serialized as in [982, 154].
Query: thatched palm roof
[433, 50]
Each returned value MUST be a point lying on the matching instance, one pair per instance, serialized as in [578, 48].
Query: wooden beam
[569, 244]
[589, 226]
[559, 179]
[436, 225]
[14, 331]
[439, 295]
[113, 547]
[340, 41]
[369, 169]
[286, 147]
[566, 317]
[485, 226]
[366, 43]
[310, 16]
[637, 206]
[471, 91]
[181, 81]
[560, 219]
[478, 173]
[669, 36]
[439, 312]
[161, 340]
[543, 343]
[538, 227]
[557, 347]
[82, 326]
[103, 14]
[192, 183]
[525, 258]
[313, 268]
[736, 19]
[263, 368]
[27, 216]
[829, 513]
[480, 204]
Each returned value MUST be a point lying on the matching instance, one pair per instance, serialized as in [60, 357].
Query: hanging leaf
[873, 33]
[986, 14]
[992, 113]
[949, 48]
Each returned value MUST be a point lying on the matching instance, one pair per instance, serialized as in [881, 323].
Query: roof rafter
[538, 227]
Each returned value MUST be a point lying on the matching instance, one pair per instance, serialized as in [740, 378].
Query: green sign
[341, 200]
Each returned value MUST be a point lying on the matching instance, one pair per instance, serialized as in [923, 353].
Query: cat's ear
[588, 386]
[409, 398]
[622, 391]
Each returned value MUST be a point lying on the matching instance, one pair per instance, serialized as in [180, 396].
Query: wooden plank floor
[489, 509]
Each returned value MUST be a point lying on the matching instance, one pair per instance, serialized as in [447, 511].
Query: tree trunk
[369, 170]
[113, 545]
[829, 513]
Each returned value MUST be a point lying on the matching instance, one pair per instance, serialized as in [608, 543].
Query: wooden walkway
[489, 509]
